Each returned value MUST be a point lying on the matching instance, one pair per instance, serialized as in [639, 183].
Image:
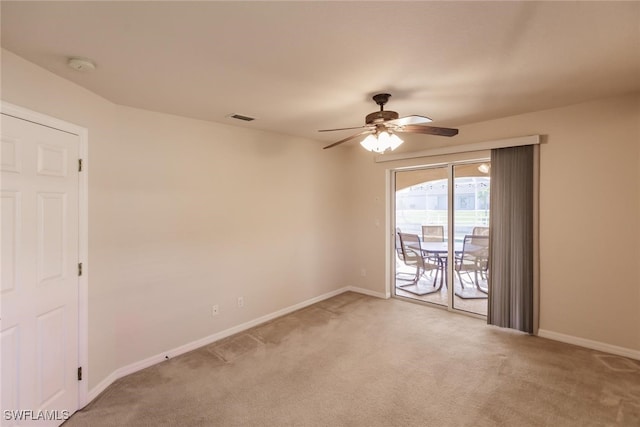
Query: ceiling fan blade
[430, 130]
[348, 138]
[408, 120]
[331, 130]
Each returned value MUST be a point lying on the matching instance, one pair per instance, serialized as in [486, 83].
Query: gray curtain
[511, 239]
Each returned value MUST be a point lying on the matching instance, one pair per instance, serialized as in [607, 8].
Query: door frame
[83, 231]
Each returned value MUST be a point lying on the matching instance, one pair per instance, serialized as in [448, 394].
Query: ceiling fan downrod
[381, 99]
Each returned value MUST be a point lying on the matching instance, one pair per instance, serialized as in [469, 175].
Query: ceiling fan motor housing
[380, 116]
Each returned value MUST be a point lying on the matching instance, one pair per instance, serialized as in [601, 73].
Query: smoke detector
[81, 64]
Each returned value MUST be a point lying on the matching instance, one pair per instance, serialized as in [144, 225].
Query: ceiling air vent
[241, 117]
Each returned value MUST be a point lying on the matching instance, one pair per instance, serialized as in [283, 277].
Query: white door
[39, 317]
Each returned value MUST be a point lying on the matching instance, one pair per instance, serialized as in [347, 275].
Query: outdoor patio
[404, 288]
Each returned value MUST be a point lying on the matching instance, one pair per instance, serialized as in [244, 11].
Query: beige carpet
[355, 360]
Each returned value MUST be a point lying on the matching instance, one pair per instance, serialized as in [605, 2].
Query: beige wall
[589, 214]
[184, 214]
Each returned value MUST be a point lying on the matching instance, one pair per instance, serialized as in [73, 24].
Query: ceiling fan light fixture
[370, 143]
[395, 141]
[381, 142]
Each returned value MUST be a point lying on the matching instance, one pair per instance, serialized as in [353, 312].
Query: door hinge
[79, 165]
[79, 269]
[80, 373]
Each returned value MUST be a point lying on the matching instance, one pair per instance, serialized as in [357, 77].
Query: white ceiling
[303, 66]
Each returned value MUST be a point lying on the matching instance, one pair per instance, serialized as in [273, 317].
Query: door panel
[52, 160]
[10, 239]
[421, 201]
[471, 191]
[40, 231]
[10, 349]
[52, 251]
[51, 355]
[11, 155]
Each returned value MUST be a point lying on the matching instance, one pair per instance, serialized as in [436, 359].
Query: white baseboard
[368, 292]
[102, 385]
[150, 361]
[594, 345]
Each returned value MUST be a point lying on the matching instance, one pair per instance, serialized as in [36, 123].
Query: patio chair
[415, 256]
[401, 275]
[433, 233]
[474, 258]
[480, 231]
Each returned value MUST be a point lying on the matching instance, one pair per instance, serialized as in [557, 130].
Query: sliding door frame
[391, 227]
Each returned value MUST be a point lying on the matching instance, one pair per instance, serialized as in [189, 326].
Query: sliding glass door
[421, 210]
[471, 235]
[441, 224]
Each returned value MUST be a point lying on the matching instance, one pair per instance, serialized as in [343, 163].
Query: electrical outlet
[363, 272]
[240, 301]
[214, 310]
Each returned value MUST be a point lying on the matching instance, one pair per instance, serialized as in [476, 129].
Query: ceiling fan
[381, 126]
